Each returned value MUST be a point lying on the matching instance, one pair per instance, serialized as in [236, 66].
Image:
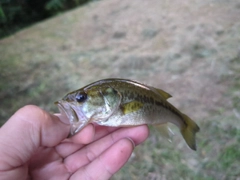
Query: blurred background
[189, 48]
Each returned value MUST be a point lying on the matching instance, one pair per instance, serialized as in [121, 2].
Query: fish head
[87, 105]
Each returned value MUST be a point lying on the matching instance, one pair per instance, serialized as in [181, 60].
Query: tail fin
[189, 132]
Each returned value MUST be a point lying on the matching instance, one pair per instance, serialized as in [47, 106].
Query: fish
[122, 103]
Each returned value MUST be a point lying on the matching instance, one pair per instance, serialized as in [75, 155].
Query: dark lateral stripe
[164, 105]
[144, 99]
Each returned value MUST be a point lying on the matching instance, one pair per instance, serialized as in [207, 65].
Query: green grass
[218, 151]
[217, 156]
[218, 142]
[42, 67]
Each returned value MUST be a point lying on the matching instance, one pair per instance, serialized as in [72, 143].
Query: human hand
[33, 145]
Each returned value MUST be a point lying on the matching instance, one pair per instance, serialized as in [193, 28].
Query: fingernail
[132, 142]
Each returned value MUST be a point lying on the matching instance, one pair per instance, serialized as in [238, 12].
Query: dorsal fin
[161, 92]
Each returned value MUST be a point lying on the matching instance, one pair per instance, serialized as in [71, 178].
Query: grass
[22, 83]
[218, 142]
[218, 151]
[159, 159]
[41, 68]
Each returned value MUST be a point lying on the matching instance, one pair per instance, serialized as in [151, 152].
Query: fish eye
[81, 97]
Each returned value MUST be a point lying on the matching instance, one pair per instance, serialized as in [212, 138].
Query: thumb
[29, 128]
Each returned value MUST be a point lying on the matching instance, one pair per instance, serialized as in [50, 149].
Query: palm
[36, 148]
[69, 158]
[47, 163]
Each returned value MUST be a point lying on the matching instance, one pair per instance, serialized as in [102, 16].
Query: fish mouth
[68, 111]
[75, 116]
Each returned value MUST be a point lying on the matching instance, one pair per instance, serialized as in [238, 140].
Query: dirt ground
[189, 48]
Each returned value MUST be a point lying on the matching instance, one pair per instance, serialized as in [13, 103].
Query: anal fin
[165, 131]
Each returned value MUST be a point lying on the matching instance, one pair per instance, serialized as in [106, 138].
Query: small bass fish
[122, 102]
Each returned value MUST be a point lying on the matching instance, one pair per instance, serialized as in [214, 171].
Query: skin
[123, 102]
[33, 145]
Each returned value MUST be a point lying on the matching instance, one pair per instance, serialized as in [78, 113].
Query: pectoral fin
[112, 100]
[131, 107]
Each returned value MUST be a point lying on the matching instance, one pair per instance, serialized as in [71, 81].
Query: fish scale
[123, 102]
